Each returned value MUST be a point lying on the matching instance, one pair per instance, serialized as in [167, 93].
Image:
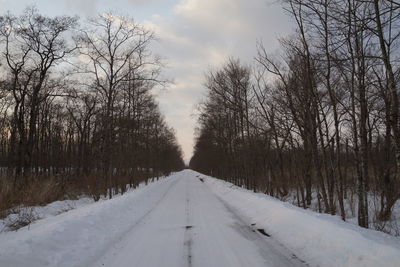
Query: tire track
[116, 244]
[188, 237]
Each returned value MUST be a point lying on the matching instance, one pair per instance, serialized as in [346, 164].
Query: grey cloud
[202, 34]
[82, 7]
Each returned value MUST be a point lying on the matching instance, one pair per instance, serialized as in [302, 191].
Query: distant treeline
[321, 120]
[76, 104]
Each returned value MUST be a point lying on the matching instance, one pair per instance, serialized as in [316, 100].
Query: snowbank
[80, 236]
[319, 239]
[42, 212]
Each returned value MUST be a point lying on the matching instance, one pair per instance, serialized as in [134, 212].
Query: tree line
[321, 120]
[76, 103]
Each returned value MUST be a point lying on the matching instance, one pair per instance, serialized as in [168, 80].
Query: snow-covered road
[190, 226]
[182, 221]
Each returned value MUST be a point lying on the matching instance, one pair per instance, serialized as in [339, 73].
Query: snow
[78, 237]
[181, 221]
[319, 239]
[192, 227]
[41, 212]
[392, 226]
[54, 208]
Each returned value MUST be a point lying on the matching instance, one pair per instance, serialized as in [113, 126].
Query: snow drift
[80, 236]
[319, 239]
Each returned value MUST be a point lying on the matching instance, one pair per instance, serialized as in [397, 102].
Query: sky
[193, 36]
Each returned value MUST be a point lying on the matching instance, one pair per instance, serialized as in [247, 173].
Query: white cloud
[211, 14]
[201, 34]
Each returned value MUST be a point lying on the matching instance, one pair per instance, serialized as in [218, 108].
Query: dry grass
[23, 218]
[17, 197]
[33, 191]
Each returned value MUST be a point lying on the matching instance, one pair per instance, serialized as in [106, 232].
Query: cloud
[213, 14]
[89, 8]
[199, 34]
[143, 2]
[82, 7]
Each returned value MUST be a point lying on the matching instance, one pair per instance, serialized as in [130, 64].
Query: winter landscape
[199, 133]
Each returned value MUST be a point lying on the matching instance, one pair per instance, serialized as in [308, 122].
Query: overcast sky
[194, 35]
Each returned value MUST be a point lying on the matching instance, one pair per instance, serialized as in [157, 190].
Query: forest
[77, 109]
[318, 123]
